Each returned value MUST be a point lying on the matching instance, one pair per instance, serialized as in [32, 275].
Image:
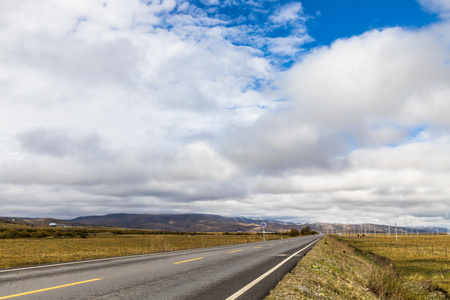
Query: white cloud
[58, 142]
[359, 95]
[169, 107]
[210, 2]
[384, 136]
[197, 161]
[442, 7]
[287, 45]
[288, 13]
[384, 183]
[367, 78]
[423, 156]
[95, 94]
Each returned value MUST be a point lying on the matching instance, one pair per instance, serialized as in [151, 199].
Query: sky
[302, 111]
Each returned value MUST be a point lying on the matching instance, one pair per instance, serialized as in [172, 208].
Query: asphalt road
[244, 271]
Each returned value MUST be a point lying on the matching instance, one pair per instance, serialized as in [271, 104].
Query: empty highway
[244, 271]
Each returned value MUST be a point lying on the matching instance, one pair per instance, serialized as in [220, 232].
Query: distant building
[52, 224]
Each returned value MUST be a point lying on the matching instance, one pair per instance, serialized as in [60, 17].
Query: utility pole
[396, 238]
[406, 221]
[448, 233]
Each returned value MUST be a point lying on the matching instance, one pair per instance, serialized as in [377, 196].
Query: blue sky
[294, 110]
[345, 18]
[324, 21]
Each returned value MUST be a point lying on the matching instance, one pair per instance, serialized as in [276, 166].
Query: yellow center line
[48, 289]
[180, 262]
[271, 244]
[235, 251]
[257, 247]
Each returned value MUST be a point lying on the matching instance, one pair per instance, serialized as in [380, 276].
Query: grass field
[421, 261]
[347, 268]
[32, 251]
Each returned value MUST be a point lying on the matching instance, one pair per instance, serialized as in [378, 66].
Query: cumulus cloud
[369, 77]
[104, 93]
[174, 106]
[365, 102]
[442, 7]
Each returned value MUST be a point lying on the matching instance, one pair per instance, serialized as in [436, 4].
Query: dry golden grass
[422, 261]
[23, 252]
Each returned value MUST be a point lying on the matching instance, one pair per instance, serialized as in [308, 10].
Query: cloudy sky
[315, 110]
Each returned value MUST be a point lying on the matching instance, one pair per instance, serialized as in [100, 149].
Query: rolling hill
[185, 222]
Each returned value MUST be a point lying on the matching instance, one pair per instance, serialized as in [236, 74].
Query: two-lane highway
[244, 271]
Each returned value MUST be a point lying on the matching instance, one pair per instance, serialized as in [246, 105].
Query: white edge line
[254, 282]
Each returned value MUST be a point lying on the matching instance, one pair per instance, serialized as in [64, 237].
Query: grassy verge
[336, 270]
[331, 270]
[32, 251]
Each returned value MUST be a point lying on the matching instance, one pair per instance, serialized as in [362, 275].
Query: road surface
[244, 271]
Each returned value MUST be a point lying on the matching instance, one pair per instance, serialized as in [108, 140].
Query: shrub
[293, 232]
[386, 285]
[307, 231]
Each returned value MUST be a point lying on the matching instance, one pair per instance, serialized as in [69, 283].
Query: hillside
[185, 222]
[33, 222]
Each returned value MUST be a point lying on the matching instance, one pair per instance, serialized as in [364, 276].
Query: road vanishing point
[243, 271]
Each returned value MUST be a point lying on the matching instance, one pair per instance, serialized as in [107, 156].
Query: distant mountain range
[215, 223]
[186, 222]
